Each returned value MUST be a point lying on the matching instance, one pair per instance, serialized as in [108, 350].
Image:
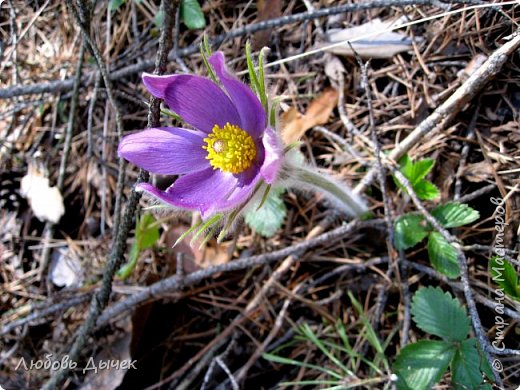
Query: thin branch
[38, 315]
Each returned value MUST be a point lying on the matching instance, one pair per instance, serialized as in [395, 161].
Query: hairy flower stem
[341, 194]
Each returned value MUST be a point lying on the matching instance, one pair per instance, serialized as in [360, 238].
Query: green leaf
[269, 218]
[437, 313]
[420, 365]
[485, 367]
[257, 80]
[114, 5]
[146, 235]
[415, 172]
[455, 214]
[253, 78]
[426, 190]
[126, 270]
[211, 73]
[443, 255]
[409, 230]
[465, 366]
[192, 14]
[147, 232]
[309, 334]
[159, 19]
[208, 224]
[504, 274]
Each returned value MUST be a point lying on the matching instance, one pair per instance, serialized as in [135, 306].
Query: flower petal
[165, 150]
[273, 156]
[197, 100]
[239, 195]
[252, 114]
[200, 191]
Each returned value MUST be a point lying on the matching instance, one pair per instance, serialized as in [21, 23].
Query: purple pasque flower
[229, 151]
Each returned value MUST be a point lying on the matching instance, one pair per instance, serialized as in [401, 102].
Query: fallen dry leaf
[46, 202]
[479, 172]
[373, 40]
[196, 258]
[117, 351]
[294, 124]
[267, 9]
[66, 269]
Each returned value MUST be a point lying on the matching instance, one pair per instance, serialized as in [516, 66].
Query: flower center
[230, 149]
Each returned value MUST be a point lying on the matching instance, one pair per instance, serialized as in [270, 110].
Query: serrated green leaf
[269, 218]
[465, 367]
[485, 367]
[455, 214]
[505, 275]
[437, 313]
[114, 5]
[443, 255]
[409, 230]
[420, 365]
[147, 231]
[417, 171]
[192, 14]
[426, 190]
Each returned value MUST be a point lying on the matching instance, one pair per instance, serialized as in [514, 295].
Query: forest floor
[309, 299]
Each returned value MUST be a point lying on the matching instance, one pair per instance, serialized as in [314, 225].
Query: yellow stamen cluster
[230, 149]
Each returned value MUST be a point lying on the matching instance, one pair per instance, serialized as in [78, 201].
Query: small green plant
[268, 218]
[192, 14]
[422, 364]
[416, 173]
[504, 274]
[146, 235]
[343, 359]
[410, 229]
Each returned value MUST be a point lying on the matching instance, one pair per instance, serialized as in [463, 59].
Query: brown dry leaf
[294, 124]
[446, 175]
[196, 258]
[118, 350]
[267, 9]
[479, 172]
[216, 254]
[192, 255]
